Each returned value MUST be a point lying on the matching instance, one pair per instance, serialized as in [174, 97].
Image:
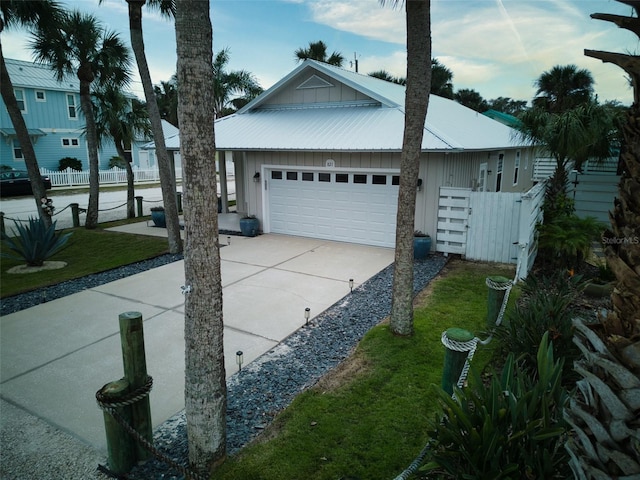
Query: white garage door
[357, 207]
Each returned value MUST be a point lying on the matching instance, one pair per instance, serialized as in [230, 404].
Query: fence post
[139, 206]
[497, 289]
[179, 201]
[121, 446]
[135, 371]
[2, 222]
[75, 214]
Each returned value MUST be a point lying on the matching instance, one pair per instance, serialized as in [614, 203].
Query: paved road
[111, 204]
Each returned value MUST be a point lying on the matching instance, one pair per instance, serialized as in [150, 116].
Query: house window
[342, 178]
[307, 176]
[276, 175]
[22, 105]
[71, 106]
[516, 168]
[324, 177]
[379, 179]
[359, 178]
[41, 96]
[70, 142]
[395, 180]
[17, 150]
[499, 172]
[292, 175]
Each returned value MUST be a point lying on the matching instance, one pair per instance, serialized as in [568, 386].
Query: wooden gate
[490, 226]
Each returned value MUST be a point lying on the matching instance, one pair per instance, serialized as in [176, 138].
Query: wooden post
[121, 446]
[179, 201]
[75, 214]
[2, 222]
[135, 371]
[454, 360]
[139, 205]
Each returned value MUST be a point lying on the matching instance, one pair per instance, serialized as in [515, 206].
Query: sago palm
[605, 414]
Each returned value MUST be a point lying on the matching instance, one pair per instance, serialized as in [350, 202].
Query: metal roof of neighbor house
[353, 127]
[37, 75]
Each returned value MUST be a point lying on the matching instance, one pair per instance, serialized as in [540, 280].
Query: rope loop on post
[108, 403]
[500, 286]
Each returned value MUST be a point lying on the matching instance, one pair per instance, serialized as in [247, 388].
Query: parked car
[16, 182]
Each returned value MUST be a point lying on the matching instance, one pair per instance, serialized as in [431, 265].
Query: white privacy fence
[490, 226]
[115, 175]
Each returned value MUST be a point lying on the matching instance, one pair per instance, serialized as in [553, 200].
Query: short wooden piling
[454, 358]
[135, 371]
[495, 297]
[121, 446]
[75, 214]
[179, 201]
[139, 206]
[2, 222]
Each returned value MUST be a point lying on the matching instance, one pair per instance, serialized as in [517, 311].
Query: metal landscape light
[239, 358]
[228, 240]
[307, 313]
[351, 284]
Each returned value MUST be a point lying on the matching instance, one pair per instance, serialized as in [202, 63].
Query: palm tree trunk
[416, 102]
[92, 147]
[205, 385]
[30, 160]
[131, 213]
[165, 166]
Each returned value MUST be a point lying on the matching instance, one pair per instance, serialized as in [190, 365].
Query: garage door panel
[361, 213]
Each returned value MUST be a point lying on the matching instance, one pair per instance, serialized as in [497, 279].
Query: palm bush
[69, 162]
[34, 243]
[544, 309]
[512, 428]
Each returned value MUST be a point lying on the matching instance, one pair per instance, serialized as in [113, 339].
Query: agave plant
[34, 242]
[605, 414]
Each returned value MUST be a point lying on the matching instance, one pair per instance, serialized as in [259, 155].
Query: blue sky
[497, 47]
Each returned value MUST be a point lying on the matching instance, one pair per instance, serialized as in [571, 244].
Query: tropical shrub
[544, 309]
[69, 162]
[34, 243]
[512, 428]
[117, 161]
[566, 240]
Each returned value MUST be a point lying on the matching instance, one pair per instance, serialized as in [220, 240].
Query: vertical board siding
[594, 194]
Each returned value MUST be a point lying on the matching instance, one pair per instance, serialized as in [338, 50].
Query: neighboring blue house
[51, 110]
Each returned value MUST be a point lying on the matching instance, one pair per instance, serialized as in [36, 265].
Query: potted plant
[249, 226]
[157, 215]
[421, 245]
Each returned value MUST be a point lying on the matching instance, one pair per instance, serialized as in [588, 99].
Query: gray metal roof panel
[34, 75]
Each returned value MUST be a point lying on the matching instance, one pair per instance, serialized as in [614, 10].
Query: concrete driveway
[55, 356]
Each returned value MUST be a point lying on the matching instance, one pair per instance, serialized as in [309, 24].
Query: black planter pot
[421, 247]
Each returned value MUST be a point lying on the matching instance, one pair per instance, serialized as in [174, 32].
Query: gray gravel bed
[266, 386]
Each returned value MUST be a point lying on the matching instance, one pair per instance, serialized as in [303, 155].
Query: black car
[16, 182]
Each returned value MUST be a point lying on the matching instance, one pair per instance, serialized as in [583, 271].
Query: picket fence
[490, 226]
[115, 175]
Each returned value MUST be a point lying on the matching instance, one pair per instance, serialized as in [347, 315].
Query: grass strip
[368, 418]
[88, 251]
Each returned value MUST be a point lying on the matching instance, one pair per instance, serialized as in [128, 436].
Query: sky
[496, 47]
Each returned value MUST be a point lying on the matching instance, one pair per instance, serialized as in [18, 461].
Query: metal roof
[353, 127]
[37, 75]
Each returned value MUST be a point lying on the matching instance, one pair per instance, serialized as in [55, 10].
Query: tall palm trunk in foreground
[605, 413]
[418, 17]
[205, 385]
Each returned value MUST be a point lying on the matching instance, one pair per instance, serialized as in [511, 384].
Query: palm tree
[563, 88]
[604, 412]
[441, 79]
[165, 165]
[167, 97]
[472, 99]
[123, 120]
[571, 137]
[418, 18]
[80, 45]
[386, 76]
[28, 14]
[205, 384]
[318, 51]
[240, 84]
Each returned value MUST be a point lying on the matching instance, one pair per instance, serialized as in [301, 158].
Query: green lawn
[88, 251]
[368, 420]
